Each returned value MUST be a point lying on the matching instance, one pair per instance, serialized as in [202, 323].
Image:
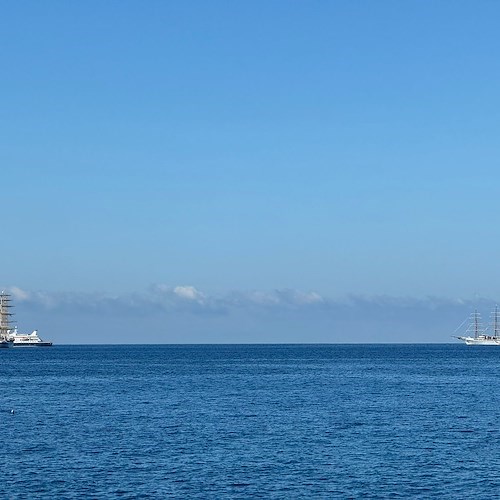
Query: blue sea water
[234, 421]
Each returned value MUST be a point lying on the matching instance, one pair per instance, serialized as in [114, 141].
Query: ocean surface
[234, 421]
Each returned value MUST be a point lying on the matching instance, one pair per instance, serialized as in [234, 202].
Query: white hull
[480, 340]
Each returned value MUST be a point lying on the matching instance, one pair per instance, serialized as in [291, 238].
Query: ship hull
[32, 344]
[480, 341]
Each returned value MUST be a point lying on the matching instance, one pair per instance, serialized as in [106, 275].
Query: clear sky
[246, 169]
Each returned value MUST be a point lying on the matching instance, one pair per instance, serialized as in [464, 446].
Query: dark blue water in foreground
[282, 421]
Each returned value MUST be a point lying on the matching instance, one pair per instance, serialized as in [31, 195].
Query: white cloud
[19, 294]
[189, 293]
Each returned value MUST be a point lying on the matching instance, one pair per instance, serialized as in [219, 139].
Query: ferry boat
[9, 336]
[27, 339]
[477, 335]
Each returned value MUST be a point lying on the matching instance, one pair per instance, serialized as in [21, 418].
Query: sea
[240, 421]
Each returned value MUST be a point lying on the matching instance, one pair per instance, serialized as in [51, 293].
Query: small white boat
[26, 340]
[477, 335]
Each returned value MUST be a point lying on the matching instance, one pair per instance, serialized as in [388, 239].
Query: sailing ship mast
[495, 322]
[5, 315]
[475, 326]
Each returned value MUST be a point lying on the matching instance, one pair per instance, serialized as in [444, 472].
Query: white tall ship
[9, 336]
[477, 335]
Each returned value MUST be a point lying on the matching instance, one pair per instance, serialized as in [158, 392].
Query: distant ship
[9, 336]
[477, 335]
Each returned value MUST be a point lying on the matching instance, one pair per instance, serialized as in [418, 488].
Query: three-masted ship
[9, 336]
[477, 335]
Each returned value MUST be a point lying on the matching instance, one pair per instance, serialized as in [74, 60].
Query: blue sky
[347, 149]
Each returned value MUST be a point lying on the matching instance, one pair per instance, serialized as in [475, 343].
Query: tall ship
[9, 336]
[477, 335]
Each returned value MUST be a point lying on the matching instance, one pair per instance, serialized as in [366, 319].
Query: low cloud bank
[164, 298]
[185, 314]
